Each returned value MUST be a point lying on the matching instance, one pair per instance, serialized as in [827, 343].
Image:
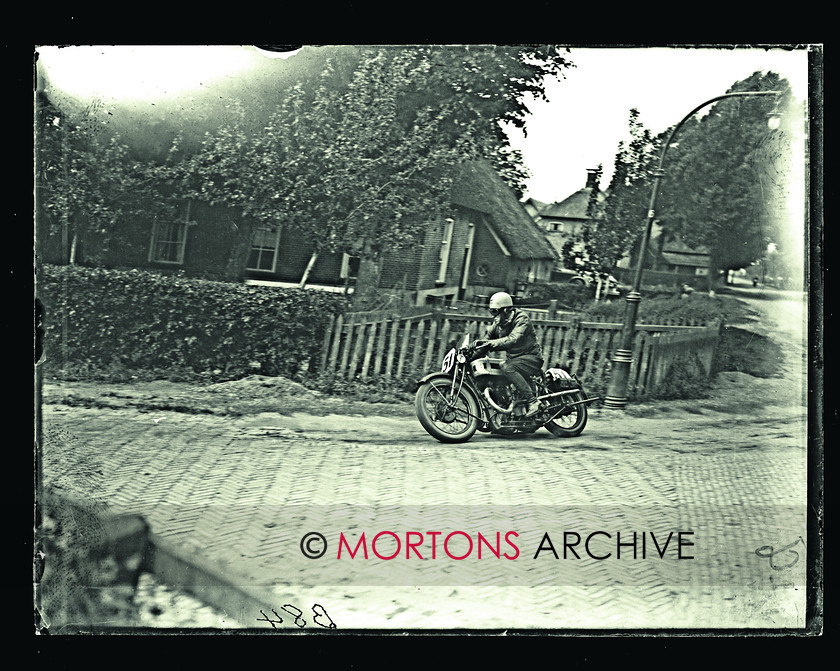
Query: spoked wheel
[571, 421]
[447, 418]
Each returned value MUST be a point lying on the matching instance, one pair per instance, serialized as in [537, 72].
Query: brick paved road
[241, 492]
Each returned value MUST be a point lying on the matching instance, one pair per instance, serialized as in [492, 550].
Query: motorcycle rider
[513, 332]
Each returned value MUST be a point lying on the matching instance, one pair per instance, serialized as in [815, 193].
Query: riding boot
[533, 406]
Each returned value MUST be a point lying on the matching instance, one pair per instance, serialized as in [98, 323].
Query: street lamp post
[616, 396]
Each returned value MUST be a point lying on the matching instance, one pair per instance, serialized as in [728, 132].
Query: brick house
[488, 243]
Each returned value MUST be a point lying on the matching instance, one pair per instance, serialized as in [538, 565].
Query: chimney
[591, 178]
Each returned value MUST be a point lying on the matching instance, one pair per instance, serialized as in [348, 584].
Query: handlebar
[473, 352]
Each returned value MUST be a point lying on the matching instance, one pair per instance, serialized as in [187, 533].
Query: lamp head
[774, 120]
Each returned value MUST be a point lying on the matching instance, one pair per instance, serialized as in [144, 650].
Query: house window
[168, 242]
[445, 247]
[264, 248]
[349, 267]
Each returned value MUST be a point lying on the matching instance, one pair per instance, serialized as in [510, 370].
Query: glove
[482, 344]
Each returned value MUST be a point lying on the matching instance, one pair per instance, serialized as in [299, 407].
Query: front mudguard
[483, 424]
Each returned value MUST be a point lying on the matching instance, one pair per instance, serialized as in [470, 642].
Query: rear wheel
[571, 421]
[450, 419]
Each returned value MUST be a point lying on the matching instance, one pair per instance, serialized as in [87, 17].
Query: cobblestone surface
[241, 492]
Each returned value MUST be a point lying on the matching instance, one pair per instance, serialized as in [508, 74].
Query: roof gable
[679, 247]
[479, 187]
[573, 207]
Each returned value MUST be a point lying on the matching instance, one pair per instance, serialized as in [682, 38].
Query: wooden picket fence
[367, 345]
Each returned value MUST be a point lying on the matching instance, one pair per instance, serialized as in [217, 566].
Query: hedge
[141, 320]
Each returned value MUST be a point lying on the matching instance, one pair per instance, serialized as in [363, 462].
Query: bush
[116, 324]
[686, 378]
[694, 309]
[747, 352]
[568, 296]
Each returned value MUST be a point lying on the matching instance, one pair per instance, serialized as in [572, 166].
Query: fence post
[371, 342]
[404, 348]
[430, 346]
[325, 348]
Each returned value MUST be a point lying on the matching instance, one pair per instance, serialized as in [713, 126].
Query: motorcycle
[471, 393]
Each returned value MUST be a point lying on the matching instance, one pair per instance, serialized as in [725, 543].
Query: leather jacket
[514, 333]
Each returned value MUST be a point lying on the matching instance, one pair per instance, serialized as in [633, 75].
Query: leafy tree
[361, 159]
[712, 195]
[86, 180]
[616, 223]
[721, 185]
[355, 160]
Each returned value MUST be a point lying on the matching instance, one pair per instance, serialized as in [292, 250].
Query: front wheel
[571, 421]
[450, 419]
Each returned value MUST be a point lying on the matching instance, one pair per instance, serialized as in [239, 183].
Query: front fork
[455, 392]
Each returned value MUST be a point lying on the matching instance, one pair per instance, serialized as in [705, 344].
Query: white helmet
[500, 300]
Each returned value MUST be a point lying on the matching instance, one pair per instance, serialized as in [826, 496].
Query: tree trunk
[239, 251]
[73, 246]
[309, 266]
[367, 282]
[712, 278]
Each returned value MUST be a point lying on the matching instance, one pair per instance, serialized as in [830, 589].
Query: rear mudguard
[468, 388]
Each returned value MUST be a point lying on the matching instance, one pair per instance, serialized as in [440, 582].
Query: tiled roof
[679, 247]
[699, 260]
[573, 207]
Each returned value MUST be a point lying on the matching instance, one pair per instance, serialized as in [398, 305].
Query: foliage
[568, 296]
[86, 181]
[747, 352]
[111, 320]
[686, 378]
[714, 194]
[699, 307]
[616, 223]
[357, 159]
[726, 179]
[360, 159]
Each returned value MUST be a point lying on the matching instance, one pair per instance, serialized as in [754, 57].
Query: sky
[579, 127]
[587, 113]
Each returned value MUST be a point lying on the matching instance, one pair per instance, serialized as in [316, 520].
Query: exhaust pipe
[509, 410]
[495, 405]
[558, 393]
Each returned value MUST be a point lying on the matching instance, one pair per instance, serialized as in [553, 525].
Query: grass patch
[743, 351]
[697, 307]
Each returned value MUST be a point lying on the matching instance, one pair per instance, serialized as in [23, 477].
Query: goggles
[494, 311]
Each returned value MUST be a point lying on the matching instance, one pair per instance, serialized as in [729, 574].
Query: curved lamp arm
[660, 173]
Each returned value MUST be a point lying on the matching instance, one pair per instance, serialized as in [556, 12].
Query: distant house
[533, 206]
[677, 257]
[565, 219]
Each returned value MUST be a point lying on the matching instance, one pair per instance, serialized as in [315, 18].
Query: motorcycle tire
[571, 424]
[454, 423]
